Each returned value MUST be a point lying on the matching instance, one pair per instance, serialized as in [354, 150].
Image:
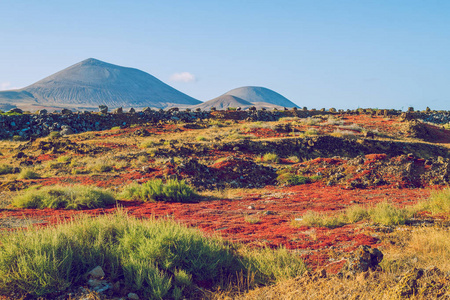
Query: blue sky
[343, 54]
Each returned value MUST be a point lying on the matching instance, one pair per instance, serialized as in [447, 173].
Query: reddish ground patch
[274, 212]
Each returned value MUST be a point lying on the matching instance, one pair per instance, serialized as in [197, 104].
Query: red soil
[274, 212]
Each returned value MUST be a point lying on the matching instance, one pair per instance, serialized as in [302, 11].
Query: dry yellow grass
[424, 248]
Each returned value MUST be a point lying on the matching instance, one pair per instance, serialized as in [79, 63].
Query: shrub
[294, 159]
[312, 131]
[356, 213]
[343, 133]
[385, 213]
[252, 219]
[100, 165]
[149, 143]
[272, 265]
[156, 259]
[269, 158]
[54, 134]
[64, 159]
[438, 202]
[285, 176]
[6, 169]
[155, 190]
[200, 138]
[315, 219]
[72, 197]
[28, 174]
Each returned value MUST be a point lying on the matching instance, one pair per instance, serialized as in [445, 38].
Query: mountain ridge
[92, 82]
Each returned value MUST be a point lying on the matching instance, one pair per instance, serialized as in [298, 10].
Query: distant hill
[255, 94]
[93, 82]
[223, 102]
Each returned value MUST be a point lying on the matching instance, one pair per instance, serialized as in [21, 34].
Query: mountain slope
[92, 82]
[260, 94]
[223, 102]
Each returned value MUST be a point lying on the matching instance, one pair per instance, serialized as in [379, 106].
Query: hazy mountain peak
[93, 82]
[261, 94]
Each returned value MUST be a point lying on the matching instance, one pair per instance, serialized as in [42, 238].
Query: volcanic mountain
[223, 102]
[93, 82]
[256, 94]
[246, 97]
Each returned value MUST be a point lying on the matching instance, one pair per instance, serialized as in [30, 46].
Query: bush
[385, 213]
[156, 259]
[28, 174]
[54, 134]
[200, 138]
[64, 159]
[73, 197]
[155, 190]
[439, 202]
[101, 166]
[356, 213]
[294, 159]
[6, 169]
[292, 179]
[269, 158]
[315, 219]
[272, 265]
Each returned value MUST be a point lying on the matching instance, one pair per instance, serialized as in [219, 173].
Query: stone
[66, 130]
[363, 259]
[66, 111]
[369, 134]
[96, 273]
[103, 109]
[118, 111]
[133, 296]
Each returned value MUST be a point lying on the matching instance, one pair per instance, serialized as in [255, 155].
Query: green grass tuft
[156, 190]
[316, 219]
[6, 169]
[28, 174]
[73, 197]
[269, 158]
[384, 213]
[157, 259]
[438, 202]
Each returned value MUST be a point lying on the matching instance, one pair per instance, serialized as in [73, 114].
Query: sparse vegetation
[384, 213]
[269, 158]
[252, 219]
[438, 202]
[28, 173]
[54, 134]
[292, 179]
[69, 197]
[156, 190]
[353, 175]
[6, 169]
[43, 261]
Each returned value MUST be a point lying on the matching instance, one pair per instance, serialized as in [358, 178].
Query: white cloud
[6, 86]
[183, 77]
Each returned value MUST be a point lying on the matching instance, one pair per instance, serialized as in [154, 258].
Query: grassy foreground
[153, 258]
